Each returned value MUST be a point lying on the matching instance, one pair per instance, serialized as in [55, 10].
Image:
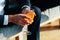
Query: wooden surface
[50, 35]
[52, 22]
[50, 30]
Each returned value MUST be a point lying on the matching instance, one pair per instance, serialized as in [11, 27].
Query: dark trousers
[34, 28]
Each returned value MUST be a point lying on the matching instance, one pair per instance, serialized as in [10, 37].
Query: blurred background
[45, 4]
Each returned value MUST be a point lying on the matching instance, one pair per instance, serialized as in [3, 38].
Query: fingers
[28, 21]
[26, 10]
[19, 19]
[23, 22]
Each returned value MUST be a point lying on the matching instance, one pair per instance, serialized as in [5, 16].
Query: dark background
[45, 4]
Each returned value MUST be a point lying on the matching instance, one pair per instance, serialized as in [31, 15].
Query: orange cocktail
[30, 14]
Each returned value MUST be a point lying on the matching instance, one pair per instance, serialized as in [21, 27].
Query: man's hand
[19, 19]
[27, 10]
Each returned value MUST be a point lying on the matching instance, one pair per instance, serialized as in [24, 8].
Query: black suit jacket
[13, 8]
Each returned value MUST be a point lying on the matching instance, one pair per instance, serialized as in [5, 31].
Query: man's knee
[37, 11]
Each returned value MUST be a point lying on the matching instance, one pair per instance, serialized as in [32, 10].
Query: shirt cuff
[25, 6]
[5, 20]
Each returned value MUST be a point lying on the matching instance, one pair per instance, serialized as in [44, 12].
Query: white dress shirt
[2, 5]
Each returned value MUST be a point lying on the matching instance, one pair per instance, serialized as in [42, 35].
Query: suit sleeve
[24, 2]
[1, 19]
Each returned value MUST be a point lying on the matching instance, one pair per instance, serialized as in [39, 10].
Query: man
[13, 12]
